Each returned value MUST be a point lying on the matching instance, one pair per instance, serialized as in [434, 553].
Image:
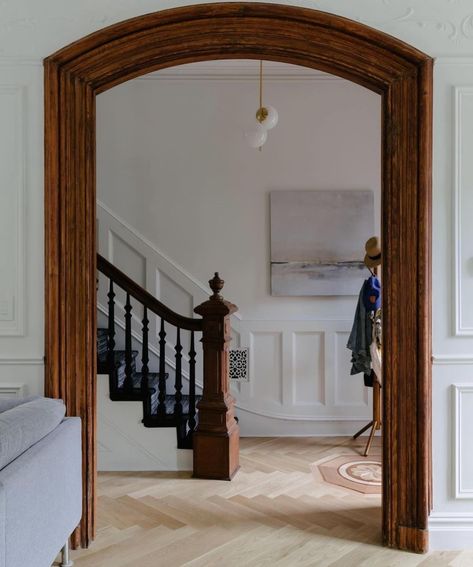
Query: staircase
[130, 378]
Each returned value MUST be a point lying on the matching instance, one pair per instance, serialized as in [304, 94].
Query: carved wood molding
[400, 73]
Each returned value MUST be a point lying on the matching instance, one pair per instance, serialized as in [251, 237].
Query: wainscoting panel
[308, 368]
[463, 184]
[12, 183]
[266, 367]
[463, 434]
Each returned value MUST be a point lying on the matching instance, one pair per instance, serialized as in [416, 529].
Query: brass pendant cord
[260, 92]
[261, 84]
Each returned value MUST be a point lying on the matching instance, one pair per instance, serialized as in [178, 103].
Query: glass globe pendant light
[266, 116]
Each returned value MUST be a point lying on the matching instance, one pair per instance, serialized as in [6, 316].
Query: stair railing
[167, 317]
[215, 434]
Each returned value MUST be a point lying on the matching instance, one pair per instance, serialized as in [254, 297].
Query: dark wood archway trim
[401, 74]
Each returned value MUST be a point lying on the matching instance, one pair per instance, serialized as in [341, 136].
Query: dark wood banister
[144, 297]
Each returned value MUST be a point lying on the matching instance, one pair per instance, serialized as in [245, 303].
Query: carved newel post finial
[216, 285]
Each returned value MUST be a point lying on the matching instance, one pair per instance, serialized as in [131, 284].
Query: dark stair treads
[148, 395]
[137, 394]
[170, 419]
[102, 342]
[119, 359]
[119, 362]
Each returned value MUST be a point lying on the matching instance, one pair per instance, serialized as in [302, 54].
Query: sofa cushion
[26, 424]
[9, 403]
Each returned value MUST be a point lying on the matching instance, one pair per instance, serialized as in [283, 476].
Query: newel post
[216, 441]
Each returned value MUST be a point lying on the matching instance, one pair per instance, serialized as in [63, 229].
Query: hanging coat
[361, 336]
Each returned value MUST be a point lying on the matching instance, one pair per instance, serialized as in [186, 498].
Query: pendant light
[266, 118]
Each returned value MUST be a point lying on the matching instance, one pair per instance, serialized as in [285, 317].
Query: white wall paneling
[463, 184]
[463, 434]
[12, 210]
[13, 390]
[308, 375]
[21, 224]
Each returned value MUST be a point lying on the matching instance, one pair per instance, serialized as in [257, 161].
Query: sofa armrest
[41, 498]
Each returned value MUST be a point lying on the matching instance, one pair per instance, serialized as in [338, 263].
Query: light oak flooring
[275, 512]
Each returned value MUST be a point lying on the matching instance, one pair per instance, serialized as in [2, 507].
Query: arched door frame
[399, 73]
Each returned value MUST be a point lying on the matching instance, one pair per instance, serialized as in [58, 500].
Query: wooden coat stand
[376, 422]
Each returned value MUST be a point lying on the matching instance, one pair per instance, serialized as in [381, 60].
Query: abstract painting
[318, 241]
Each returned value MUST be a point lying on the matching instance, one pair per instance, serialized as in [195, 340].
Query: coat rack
[376, 422]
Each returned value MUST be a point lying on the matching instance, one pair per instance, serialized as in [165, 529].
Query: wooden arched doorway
[403, 77]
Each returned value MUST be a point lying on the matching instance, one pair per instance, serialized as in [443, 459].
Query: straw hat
[373, 252]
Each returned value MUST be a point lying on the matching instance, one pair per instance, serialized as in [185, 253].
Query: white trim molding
[448, 359]
[10, 390]
[22, 361]
[450, 530]
[458, 393]
[459, 93]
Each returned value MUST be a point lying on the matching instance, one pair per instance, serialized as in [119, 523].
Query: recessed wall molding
[461, 125]
[11, 390]
[22, 361]
[462, 395]
[446, 359]
[297, 417]
[13, 170]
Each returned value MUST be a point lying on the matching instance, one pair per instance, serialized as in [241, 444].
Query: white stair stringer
[124, 444]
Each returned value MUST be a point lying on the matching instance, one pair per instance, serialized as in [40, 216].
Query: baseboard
[254, 424]
[450, 531]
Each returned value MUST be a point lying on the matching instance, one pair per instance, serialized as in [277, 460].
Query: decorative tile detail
[355, 473]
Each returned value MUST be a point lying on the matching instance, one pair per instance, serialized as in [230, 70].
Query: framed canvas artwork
[318, 241]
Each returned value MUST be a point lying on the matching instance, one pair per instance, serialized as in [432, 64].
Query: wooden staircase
[129, 376]
[205, 423]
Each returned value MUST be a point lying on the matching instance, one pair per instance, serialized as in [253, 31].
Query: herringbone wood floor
[275, 512]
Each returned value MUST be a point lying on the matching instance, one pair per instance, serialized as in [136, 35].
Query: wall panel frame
[399, 73]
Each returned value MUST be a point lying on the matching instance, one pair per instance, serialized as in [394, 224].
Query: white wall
[173, 165]
[31, 30]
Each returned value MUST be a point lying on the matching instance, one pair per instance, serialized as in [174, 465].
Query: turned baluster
[145, 353]
[111, 337]
[128, 383]
[162, 371]
[178, 381]
[192, 356]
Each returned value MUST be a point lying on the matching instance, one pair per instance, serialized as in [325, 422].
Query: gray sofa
[40, 481]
